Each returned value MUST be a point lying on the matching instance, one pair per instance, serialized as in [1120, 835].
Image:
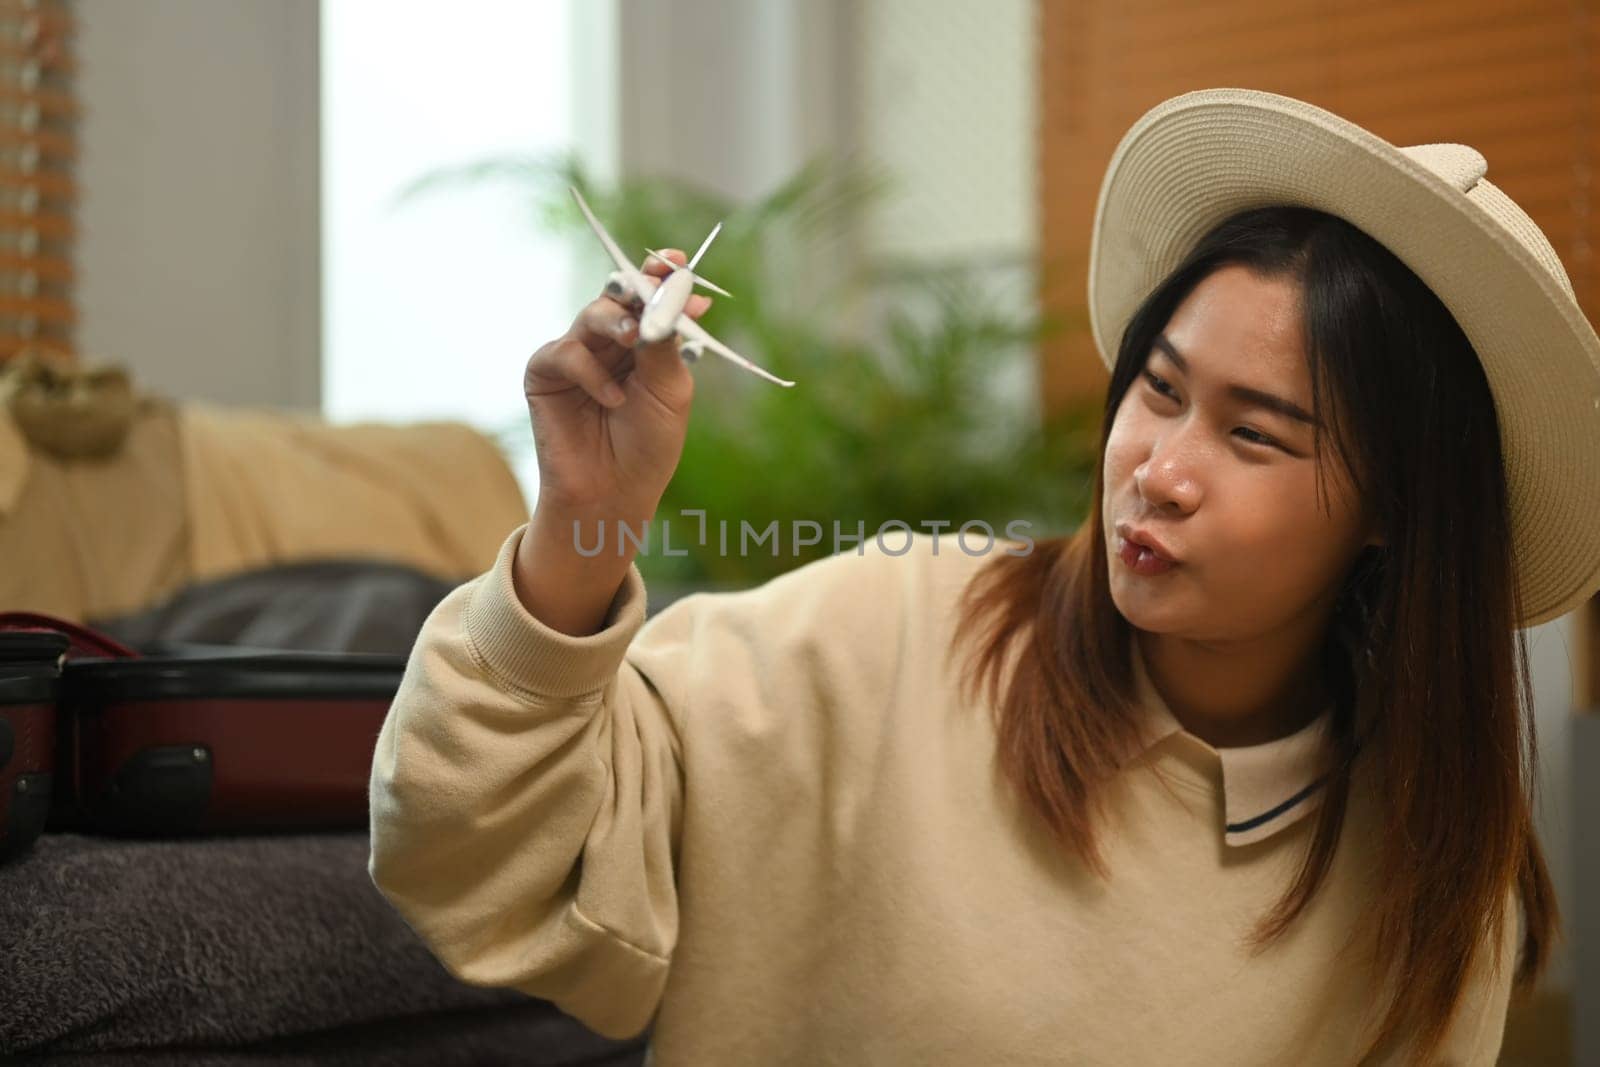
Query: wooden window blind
[38, 193]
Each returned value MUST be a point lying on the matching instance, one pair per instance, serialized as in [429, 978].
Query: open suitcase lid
[30, 666]
[81, 640]
[220, 672]
[98, 667]
[32, 646]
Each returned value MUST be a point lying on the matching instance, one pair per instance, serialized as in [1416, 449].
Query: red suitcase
[214, 739]
[30, 676]
[221, 741]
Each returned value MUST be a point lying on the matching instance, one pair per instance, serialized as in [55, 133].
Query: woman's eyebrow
[1243, 393]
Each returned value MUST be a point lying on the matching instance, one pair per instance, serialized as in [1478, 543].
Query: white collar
[1266, 787]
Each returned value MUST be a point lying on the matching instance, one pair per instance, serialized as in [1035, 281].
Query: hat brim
[1194, 160]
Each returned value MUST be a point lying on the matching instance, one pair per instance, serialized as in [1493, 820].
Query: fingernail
[612, 394]
[624, 325]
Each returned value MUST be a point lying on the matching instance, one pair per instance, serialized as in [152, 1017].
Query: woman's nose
[1168, 477]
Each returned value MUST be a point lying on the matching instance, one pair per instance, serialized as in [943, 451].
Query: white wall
[733, 96]
[947, 104]
[947, 107]
[199, 244]
[738, 96]
[1551, 653]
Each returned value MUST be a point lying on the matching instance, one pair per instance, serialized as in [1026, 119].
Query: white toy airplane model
[664, 299]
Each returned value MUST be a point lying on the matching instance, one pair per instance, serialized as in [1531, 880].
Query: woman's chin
[1147, 609]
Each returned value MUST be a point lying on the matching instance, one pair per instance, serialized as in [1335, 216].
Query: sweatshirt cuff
[533, 657]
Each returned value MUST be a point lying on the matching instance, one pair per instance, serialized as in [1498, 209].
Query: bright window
[432, 306]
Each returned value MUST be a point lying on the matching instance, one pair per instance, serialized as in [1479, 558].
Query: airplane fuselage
[660, 318]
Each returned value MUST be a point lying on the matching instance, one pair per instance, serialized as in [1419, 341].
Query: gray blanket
[253, 950]
[241, 950]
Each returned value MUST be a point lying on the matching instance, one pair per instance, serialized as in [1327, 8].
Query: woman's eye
[1257, 437]
[1158, 384]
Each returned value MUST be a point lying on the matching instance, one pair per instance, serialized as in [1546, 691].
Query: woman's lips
[1145, 539]
[1141, 560]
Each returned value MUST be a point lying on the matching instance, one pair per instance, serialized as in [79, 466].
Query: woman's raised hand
[609, 414]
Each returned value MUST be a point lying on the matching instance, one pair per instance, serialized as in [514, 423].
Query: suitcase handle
[84, 641]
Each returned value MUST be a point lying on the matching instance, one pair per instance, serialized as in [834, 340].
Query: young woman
[1238, 773]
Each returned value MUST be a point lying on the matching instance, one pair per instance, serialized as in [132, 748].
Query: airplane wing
[635, 277]
[691, 330]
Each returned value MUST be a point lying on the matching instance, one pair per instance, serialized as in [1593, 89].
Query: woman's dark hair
[1424, 653]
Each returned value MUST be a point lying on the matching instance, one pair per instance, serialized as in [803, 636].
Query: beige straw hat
[1195, 159]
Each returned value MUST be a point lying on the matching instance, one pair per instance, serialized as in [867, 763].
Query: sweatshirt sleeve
[1487, 999]
[525, 804]
[1476, 1030]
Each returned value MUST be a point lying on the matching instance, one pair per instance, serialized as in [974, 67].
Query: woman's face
[1226, 480]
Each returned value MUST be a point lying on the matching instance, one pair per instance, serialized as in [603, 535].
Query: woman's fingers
[603, 323]
[603, 347]
[654, 270]
[661, 371]
[570, 360]
[652, 265]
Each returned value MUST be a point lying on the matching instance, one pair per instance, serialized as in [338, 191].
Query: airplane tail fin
[695, 259]
[712, 236]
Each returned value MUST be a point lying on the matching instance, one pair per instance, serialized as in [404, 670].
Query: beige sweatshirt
[767, 822]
